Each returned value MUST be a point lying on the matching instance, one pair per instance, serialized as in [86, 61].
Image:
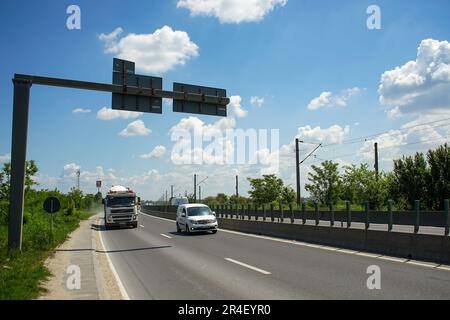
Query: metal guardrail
[416, 218]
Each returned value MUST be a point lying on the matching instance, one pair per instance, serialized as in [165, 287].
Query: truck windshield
[199, 211]
[120, 201]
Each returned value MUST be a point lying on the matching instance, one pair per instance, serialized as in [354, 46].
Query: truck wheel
[178, 228]
[214, 231]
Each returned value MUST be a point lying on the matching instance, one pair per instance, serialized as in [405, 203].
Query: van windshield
[121, 201]
[199, 211]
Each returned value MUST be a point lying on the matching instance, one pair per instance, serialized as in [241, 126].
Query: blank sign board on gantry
[199, 107]
[124, 75]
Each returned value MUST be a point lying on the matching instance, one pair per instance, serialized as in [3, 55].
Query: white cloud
[71, 168]
[157, 152]
[5, 158]
[257, 101]
[333, 134]
[157, 52]
[111, 114]
[135, 128]
[81, 110]
[236, 108]
[231, 11]
[394, 113]
[327, 99]
[422, 84]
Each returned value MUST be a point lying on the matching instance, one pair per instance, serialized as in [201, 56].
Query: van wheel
[178, 228]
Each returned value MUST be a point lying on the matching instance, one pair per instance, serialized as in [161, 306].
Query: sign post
[130, 92]
[52, 206]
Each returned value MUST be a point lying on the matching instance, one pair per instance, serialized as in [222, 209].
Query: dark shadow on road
[131, 250]
[98, 227]
[192, 234]
[74, 250]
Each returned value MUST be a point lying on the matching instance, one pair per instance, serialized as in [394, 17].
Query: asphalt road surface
[155, 262]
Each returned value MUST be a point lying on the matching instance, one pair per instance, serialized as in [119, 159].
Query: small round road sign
[52, 205]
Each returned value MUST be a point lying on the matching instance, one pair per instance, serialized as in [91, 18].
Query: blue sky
[285, 52]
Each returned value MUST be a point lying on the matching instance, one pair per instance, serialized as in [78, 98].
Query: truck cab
[121, 207]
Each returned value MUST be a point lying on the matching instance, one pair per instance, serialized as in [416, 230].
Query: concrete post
[447, 216]
[348, 208]
[281, 212]
[303, 212]
[316, 211]
[367, 212]
[291, 209]
[416, 216]
[331, 215]
[390, 215]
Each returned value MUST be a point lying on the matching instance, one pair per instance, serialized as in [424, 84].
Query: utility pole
[171, 191]
[297, 141]
[166, 197]
[237, 188]
[195, 188]
[78, 179]
[376, 158]
[199, 193]
[297, 168]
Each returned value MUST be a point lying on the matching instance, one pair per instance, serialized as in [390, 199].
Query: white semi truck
[121, 207]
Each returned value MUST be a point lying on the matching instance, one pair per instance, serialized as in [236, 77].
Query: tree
[325, 183]
[439, 176]
[5, 177]
[222, 198]
[410, 179]
[266, 190]
[361, 184]
[288, 195]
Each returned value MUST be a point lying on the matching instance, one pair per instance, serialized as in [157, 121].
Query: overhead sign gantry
[130, 92]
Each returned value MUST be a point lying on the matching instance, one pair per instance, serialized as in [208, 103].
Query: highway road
[155, 262]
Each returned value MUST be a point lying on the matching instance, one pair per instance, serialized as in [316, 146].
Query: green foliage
[22, 273]
[359, 184]
[266, 190]
[288, 195]
[325, 183]
[438, 176]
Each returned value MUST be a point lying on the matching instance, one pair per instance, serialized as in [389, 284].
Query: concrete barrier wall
[405, 245]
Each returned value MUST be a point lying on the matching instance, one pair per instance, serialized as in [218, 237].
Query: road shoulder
[82, 252]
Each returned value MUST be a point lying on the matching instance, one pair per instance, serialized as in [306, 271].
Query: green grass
[22, 273]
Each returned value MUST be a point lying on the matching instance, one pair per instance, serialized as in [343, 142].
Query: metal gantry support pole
[297, 168]
[18, 162]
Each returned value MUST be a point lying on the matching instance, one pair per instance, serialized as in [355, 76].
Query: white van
[179, 201]
[196, 218]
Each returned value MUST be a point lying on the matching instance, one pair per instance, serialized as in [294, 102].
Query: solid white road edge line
[165, 236]
[321, 247]
[113, 269]
[248, 266]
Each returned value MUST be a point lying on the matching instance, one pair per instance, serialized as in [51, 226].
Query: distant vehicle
[196, 218]
[121, 207]
[179, 201]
